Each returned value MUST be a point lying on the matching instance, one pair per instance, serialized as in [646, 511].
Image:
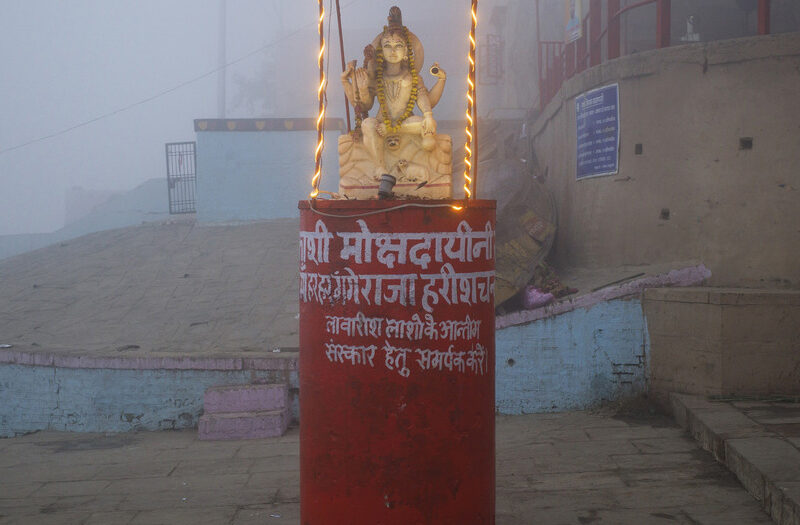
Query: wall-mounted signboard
[597, 126]
[573, 20]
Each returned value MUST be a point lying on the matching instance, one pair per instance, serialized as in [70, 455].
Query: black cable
[162, 93]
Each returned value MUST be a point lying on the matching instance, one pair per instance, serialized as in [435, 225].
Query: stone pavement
[757, 439]
[631, 467]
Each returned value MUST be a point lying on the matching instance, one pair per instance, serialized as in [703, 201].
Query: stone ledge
[689, 276]
[767, 465]
[724, 296]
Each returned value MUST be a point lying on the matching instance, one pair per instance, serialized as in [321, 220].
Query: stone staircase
[249, 411]
[758, 440]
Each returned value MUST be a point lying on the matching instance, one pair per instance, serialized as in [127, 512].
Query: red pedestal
[397, 362]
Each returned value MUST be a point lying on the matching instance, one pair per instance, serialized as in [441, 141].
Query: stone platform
[723, 341]
[125, 329]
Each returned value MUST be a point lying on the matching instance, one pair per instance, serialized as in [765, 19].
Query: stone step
[245, 398]
[243, 425]
[767, 464]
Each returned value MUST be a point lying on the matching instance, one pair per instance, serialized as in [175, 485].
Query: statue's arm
[423, 99]
[435, 93]
[347, 85]
[424, 105]
[371, 74]
[366, 90]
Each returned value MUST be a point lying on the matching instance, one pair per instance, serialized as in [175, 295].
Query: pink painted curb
[245, 398]
[243, 425]
[27, 358]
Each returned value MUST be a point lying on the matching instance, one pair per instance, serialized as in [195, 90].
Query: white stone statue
[395, 141]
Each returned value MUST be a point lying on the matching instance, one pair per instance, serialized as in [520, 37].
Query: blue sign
[597, 119]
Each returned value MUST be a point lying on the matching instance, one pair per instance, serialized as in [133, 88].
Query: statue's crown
[395, 17]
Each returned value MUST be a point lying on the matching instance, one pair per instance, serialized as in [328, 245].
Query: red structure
[397, 362]
[663, 22]
[559, 62]
[763, 17]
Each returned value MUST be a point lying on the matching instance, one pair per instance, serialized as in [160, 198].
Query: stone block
[245, 398]
[684, 364]
[677, 317]
[678, 410]
[773, 501]
[774, 457]
[745, 296]
[768, 468]
[761, 323]
[681, 406]
[739, 341]
[790, 508]
[243, 425]
[760, 368]
[713, 427]
[749, 476]
[683, 295]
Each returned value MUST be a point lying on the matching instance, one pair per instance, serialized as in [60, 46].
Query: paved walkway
[552, 469]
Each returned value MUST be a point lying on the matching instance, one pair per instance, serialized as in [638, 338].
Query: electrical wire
[164, 92]
[376, 212]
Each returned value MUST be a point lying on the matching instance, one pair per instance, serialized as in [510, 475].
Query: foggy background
[91, 90]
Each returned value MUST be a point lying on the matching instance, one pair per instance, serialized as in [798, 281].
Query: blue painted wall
[569, 362]
[102, 400]
[246, 175]
[573, 361]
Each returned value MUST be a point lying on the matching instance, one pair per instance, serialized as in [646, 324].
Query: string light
[321, 116]
[469, 170]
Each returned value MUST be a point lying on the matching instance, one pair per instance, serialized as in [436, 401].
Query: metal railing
[559, 61]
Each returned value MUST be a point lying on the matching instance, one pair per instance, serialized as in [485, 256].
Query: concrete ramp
[165, 289]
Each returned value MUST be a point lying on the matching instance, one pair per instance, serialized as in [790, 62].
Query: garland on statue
[360, 115]
[394, 126]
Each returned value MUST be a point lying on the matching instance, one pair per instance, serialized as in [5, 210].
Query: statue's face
[394, 48]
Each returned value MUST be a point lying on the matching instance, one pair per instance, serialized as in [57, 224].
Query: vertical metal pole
[763, 17]
[582, 44]
[475, 97]
[194, 177]
[595, 26]
[569, 54]
[663, 21]
[470, 146]
[341, 49]
[169, 178]
[321, 115]
[222, 57]
[539, 63]
[613, 29]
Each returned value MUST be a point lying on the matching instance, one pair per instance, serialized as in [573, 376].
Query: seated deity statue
[394, 141]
